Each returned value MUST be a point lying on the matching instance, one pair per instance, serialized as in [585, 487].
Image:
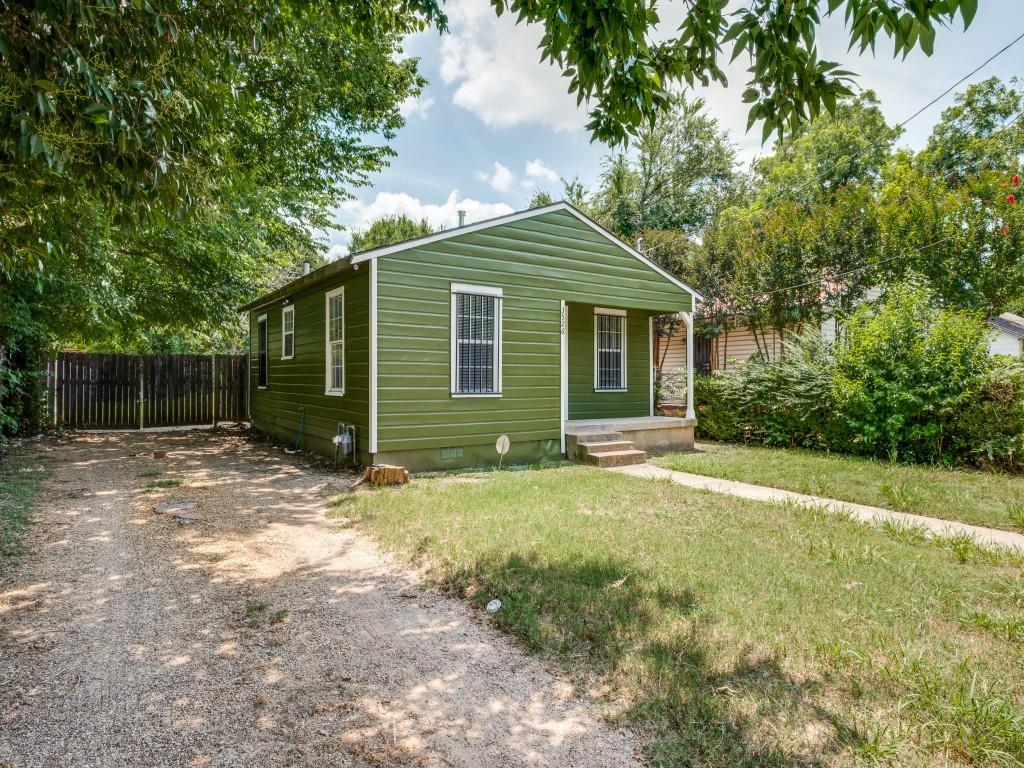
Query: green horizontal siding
[538, 263]
[584, 401]
[301, 381]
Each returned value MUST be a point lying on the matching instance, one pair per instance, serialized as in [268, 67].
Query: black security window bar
[610, 352]
[262, 347]
[476, 353]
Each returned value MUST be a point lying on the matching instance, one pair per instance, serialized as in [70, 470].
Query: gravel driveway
[252, 632]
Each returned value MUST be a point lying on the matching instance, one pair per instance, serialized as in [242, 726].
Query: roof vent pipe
[462, 218]
[305, 267]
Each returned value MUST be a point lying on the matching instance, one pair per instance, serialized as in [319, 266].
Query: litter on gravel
[175, 506]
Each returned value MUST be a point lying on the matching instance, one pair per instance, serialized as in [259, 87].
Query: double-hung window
[261, 351]
[288, 332]
[476, 341]
[334, 321]
[609, 350]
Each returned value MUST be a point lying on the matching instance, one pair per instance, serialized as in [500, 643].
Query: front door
[701, 355]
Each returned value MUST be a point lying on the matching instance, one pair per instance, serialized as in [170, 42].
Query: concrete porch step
[616, 458]
[586, 438]
[608, 446]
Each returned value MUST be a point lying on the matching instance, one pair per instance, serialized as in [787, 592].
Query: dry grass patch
[19, 483]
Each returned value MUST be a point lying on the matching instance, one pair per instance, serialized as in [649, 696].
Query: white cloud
[541, 172]
[495, 65]
[414, 106]
[357, 214]
[500, 180]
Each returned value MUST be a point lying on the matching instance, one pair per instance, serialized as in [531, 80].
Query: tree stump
[386, 474]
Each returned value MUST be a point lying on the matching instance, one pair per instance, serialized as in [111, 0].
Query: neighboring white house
[1009, 338]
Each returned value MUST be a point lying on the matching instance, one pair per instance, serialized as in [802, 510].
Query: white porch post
[688, 319]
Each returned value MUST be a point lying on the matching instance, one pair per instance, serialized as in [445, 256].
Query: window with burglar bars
[476, 320]
[609, 352]
[335, 352]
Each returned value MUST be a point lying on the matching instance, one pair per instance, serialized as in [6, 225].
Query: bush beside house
[909, 381]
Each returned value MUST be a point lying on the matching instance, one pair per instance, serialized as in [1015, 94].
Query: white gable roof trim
[376, 253]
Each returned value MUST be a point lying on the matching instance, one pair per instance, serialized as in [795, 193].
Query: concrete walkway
[935, 526]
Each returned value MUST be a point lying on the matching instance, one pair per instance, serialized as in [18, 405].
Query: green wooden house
[536, 325]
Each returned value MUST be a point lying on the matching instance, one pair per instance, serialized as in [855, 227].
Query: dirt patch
[236, 627]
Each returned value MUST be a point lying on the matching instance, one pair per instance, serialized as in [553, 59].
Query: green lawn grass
[19, 481]
[969, 496]
[730, 632]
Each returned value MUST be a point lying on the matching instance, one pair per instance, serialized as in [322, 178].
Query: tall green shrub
[904, 371]
[785, 402]
[989, 431]
[716, 408]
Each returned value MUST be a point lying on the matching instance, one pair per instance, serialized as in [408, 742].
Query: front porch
[617, 441]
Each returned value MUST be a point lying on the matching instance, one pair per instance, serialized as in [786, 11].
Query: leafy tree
[963, 241]
[573, 191]
[613, 202]
[846, 247]
[612, 60]
[678, 175]
[162, 163]
[973, 136]
[540, 197]
[387, 230]
[116, 114]
[775, 283]
[787, 265]
[830, 152]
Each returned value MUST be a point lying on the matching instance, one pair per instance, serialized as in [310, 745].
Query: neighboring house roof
[353, 260]
[1009, 323]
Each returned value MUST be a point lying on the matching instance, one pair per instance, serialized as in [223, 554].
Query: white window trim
[598, 312]
[262, 319]
[289, 310]
[479, 290]
[328, 390]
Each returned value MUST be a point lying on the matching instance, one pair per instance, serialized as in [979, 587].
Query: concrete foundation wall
[651, 434]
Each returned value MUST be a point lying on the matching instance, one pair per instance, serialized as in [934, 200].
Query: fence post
[51, 390]
[213, 388]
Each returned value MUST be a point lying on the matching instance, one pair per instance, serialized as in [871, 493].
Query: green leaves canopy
[162, 162]
[388, 230]
[610, 55]
[678, 174]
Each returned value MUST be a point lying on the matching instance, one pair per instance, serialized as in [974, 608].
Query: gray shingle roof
[1009, 322]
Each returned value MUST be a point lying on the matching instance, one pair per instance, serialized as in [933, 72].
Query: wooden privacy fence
[98, 391]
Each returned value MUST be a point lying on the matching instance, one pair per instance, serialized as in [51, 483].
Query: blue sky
[494, 124]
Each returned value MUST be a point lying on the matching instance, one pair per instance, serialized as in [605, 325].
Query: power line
[899, 126]
[857, 269]
[899, 199]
